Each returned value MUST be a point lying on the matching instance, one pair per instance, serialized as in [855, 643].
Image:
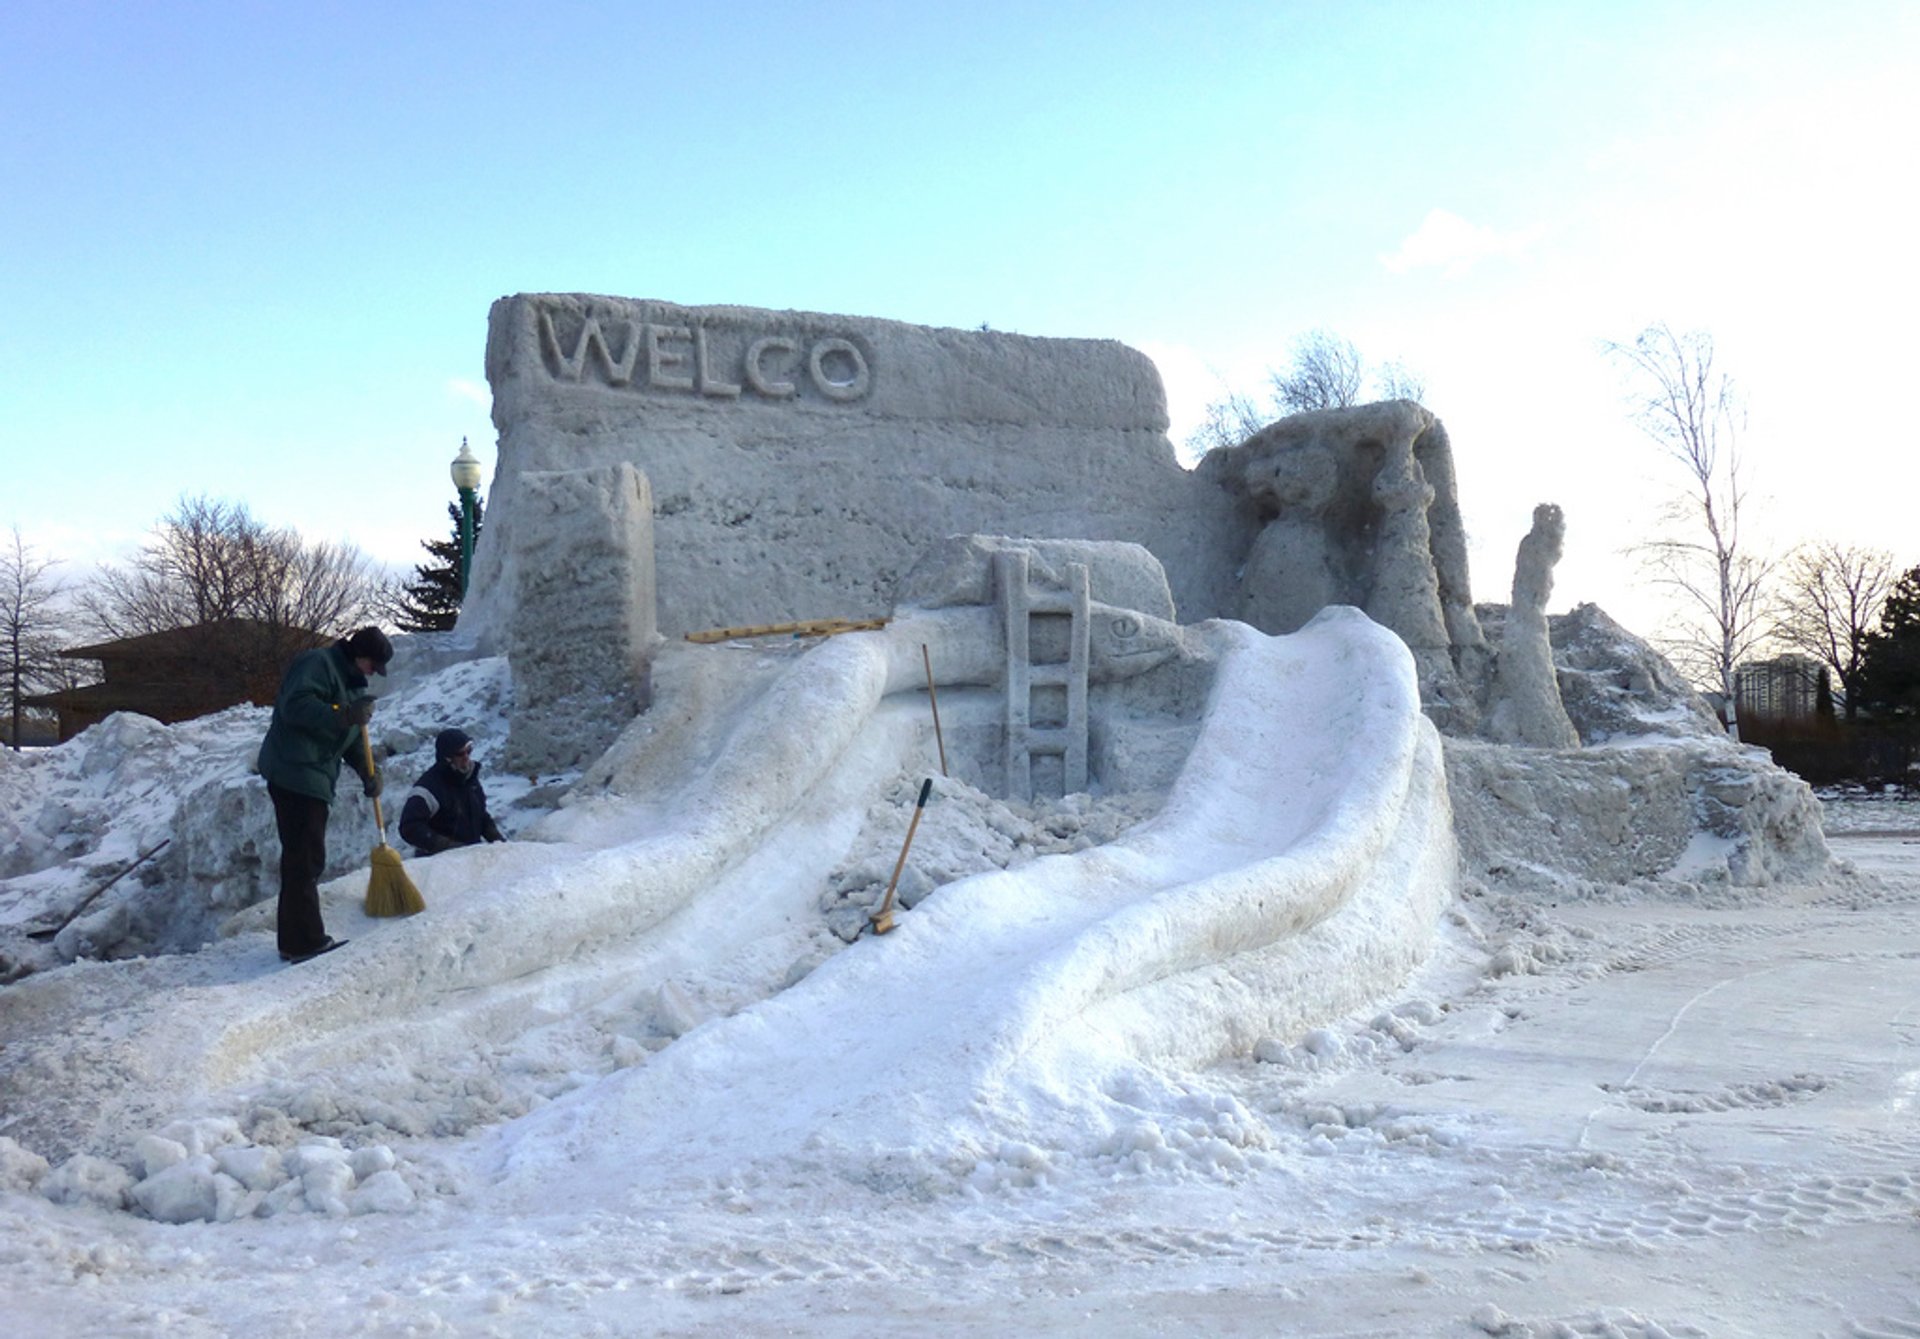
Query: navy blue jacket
[445, 810]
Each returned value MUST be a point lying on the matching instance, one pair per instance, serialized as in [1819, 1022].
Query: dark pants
[302, 821]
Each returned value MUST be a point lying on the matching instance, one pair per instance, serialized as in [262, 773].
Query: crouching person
[448, 807]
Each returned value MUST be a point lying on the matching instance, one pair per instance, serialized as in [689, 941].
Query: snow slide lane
[1296, 871]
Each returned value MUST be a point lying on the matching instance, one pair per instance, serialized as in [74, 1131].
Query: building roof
[145, 698]
[187, 641]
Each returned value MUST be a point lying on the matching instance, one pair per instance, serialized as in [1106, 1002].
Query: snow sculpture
[959, 571]
[1289, 576]
[1357, 506]
[1057, 627]
[583, 615]
[801, 462]
[1524, 703]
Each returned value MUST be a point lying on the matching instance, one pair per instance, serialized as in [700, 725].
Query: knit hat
[448, 743]
[373, 644]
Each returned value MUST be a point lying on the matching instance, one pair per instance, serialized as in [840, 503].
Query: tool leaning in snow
[883, 918]
[389, 891]
[87, 901]
[934, 698]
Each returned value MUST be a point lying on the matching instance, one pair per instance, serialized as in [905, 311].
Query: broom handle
[886, 903]
[934, 698]
[366, 740]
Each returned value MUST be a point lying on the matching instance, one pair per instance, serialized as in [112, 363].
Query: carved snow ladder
[1046, 700]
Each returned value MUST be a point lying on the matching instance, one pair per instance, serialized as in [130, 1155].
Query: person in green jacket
[319, 718]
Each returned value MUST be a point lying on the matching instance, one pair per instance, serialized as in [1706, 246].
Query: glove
[371, 784]
[357, 712]
[492, 832]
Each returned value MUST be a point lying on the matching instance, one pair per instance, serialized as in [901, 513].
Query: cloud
[471, 390]
[1449, 243]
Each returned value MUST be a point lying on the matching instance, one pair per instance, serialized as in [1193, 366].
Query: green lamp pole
[465, 470]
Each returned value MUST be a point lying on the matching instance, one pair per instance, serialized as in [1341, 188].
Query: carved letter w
[619, 370]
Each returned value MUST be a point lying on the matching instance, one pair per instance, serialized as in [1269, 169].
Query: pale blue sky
[249, 249]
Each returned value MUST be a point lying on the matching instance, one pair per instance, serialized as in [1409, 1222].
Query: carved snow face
[1125, 642]
[1299, 480]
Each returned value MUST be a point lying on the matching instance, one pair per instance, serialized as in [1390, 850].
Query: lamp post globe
[465, 471]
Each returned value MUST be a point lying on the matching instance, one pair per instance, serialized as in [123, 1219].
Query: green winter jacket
[307, 737]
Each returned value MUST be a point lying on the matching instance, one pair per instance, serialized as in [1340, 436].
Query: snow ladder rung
[1062, 684]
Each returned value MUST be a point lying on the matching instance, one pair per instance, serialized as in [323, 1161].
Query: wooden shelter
[180, 673]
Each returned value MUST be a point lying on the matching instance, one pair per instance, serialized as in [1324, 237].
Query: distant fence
[1824, 752]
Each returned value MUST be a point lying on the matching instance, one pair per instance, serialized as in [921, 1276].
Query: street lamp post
[465, 470]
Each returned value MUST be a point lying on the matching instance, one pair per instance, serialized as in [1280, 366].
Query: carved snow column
[582, 634]
[1525, 705]
[1406, 588]
[1047, 636]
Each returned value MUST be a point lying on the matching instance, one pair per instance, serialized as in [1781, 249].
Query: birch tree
[1692, 412]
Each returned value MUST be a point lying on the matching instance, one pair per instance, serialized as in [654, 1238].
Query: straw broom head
[389, 891]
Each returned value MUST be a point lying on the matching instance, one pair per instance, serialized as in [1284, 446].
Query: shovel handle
[93, 896]
[886, 903]
[933, 698]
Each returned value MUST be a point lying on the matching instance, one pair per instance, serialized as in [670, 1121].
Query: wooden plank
[819, 627]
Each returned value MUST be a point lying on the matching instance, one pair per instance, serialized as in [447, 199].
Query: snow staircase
[1047, 653]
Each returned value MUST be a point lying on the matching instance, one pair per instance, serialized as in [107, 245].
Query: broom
[389, 891]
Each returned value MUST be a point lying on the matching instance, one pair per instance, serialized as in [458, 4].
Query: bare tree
[211, 561]
[1229, 421]
[1398, 382]
[1693, 413]
[1831, 597]
[30, 627]
[1327, 372]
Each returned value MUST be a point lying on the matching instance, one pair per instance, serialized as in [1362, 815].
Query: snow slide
[1296, 871]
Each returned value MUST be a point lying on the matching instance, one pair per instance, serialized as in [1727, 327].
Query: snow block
[186, 1192]
[20, 1169]
[383, 1192]
[85, 1179]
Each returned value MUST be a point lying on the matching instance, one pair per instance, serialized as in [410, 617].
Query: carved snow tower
[1358, 506]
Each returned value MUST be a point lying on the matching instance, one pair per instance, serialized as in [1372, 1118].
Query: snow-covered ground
[612, 1084]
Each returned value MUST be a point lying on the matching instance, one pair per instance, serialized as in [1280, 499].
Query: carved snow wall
[802, 462]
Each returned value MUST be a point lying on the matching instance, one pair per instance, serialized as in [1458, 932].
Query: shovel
[93, 896]
[882, 920]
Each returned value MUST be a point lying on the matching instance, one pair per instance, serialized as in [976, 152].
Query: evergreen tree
[1890, 669]
[431, 601]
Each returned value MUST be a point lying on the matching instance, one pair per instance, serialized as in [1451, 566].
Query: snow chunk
[326, 1185]
[20, 1169]
[383, 1192]
[85, 1179]
[157, 1155]
[186, 1192]
[252, 1166]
